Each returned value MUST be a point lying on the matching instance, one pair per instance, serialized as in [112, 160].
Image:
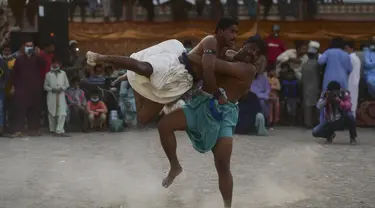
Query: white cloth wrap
[169, 80]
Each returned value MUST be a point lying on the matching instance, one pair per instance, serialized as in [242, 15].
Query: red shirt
[91, 106]
[47, 59]
[275, 48]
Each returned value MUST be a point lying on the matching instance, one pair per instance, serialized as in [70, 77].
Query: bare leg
[222, 154]
[167, 126]
[147, 110]
[139, 67]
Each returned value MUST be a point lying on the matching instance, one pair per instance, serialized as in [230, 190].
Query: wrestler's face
[249, 53]
[229, 35]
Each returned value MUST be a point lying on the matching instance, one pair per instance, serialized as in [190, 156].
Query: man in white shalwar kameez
[55, 83]
[354, 77]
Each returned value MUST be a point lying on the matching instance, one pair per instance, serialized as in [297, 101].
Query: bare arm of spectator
[323, 58]
[278, 87]
[103, 108]
[120, 79]
[369, 63]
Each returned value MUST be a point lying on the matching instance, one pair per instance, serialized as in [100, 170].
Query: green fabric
[202, 129]
[260, 125]
[116, 125]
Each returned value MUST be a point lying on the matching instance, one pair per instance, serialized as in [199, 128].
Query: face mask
[55, 68]
[372, 47]
[94, 99]
[7, 57]
[29, 50]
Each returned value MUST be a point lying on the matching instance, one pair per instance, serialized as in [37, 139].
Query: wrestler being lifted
[161, 74]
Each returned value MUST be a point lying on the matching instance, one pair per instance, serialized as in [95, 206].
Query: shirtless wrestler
[208, 120]
[159, 74]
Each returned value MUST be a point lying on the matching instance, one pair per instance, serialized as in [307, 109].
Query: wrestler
[160, 76]
[209, 120]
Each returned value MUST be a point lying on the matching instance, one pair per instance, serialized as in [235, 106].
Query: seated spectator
[97, 111]
[77, 106]
[251, 119]
[97, 78]
[274, 104]
[294, 58]
[290, 94]
[261, 89]
[55, 84]
[336, 107]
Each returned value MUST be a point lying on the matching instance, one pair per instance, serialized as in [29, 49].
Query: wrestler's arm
[209, 45]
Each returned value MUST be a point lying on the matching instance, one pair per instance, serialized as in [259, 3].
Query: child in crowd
[76, 99]
[274, 104]
[55, 83]
[336, 106]
[97, 111]
[290, 94]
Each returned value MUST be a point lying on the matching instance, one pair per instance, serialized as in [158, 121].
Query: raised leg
[139, 67]
[167, 126]
[222, 155]
[147, 110]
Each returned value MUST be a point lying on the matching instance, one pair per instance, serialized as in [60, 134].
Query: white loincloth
[169, 80]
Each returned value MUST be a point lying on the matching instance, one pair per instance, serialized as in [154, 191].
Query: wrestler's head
[251, 50]
[226, 31]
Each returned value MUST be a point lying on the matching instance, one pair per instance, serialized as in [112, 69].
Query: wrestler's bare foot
[173, 173]
[92, 58]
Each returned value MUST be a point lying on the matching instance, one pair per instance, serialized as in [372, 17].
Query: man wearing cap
[275, 45]
[311, 84]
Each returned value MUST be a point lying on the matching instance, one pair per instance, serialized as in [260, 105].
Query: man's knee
[91, 117]
[103, 117]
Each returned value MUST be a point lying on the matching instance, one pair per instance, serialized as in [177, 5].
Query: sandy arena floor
[287, 169]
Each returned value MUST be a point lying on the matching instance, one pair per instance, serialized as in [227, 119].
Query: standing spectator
[289, 86]
[338, 65]
[9, 62]
[47, 54]
[335, 103]
[294, 58]
[275, 45]
[106, 9]
[274, 104]
[4, 74]
[31, 11]
[354, 77]
[261, 88]
[28, 90]
[82, 9]
[55, 84]
[97, 111]
[18, 10]
[93, 6]
[311, 85]
[77, 106]
[76, 63]
[369, 67]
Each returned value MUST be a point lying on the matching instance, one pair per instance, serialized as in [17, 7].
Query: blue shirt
[338, 67]
[261, 87]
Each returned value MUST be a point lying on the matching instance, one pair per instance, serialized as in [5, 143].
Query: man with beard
[161, 74]
[210, 117]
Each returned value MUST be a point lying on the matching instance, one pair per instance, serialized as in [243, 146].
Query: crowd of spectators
[301, 86]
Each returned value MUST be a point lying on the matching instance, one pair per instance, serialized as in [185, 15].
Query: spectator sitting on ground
[77, 106]
[97, 111]
[262, 89]
[336, 107]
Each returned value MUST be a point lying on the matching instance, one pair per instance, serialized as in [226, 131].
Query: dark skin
[220, 42]
[235, 78]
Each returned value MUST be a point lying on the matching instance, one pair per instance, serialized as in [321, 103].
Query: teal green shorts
[202, 128]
